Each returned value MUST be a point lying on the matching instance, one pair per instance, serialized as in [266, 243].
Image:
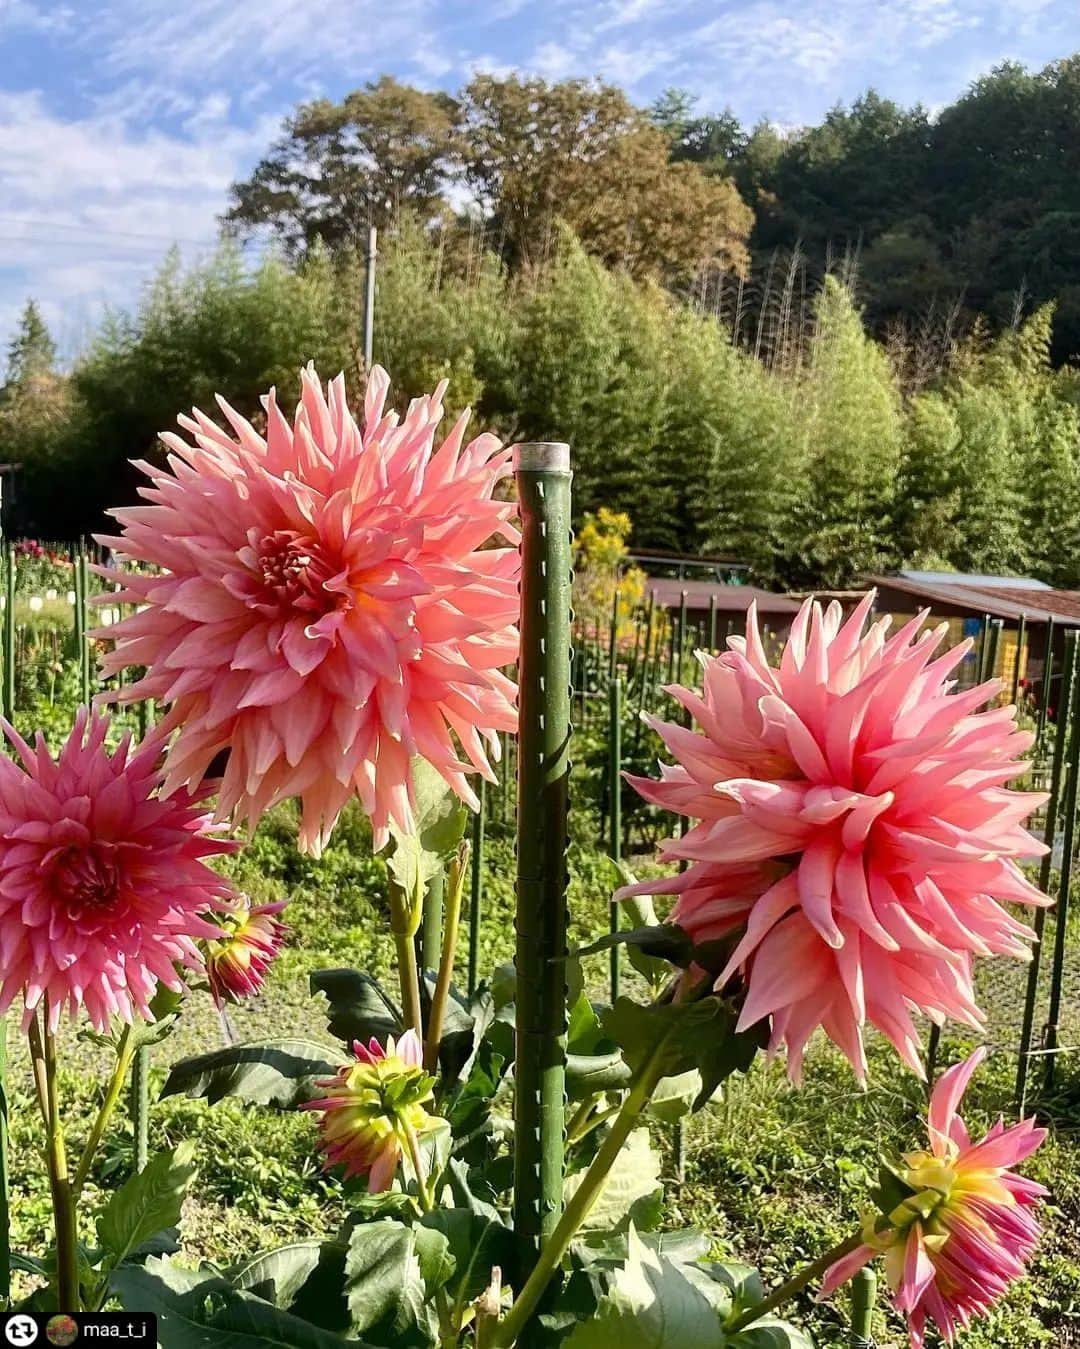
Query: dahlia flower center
[295, 571]
[85, 878]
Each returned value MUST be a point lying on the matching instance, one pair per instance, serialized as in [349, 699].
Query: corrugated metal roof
[668, 592]
[969, 578]
[1000, 597]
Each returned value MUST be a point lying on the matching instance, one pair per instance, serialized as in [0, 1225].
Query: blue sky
[122, 124]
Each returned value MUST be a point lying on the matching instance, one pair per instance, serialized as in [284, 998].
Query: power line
[104, 231]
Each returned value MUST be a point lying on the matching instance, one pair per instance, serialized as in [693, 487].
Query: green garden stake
[1068, 724]
[1021, 636]
[613, 636]
[542, 473]
[712, 624]
[984, 645]
[431, 931]
[682, 639]
[994, 649]
[504, 785]
[9, 633]
[477, 886]
[1044, 691]
[1053, 812]
[652, 640]
[615, 811]
[863, 1297]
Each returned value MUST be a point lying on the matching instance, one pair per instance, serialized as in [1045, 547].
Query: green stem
[403, 924]
[794, 1285]
[451, 927]
[124, 1054]
[448, 1336]
[43, 1054]
[584, 1197]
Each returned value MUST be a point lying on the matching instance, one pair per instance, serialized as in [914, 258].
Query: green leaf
[147, 1202]
[384, 1283]
[769, 1334]
[246, 1320]
[642, 914]
[437, 1261]
[475, 1245]
[649, 1304]
[634, 1175]
[412, 859]
[587, 1074]
[675, 1097]
[359, 1007]
[741, 1282]
[661, 941]
[279, 1073]
[305, 1277]
[697, 1035]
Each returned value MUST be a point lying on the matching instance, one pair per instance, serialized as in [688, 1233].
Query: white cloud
[91, 206]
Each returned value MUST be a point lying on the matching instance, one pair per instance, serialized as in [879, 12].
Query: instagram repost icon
[20, 1330]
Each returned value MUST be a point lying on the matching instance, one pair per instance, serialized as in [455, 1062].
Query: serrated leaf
[384, 1284]
[440, 817]
[641, 913]
[634, 1175]
[697, 1035]
[649, 1304]
[359, 1007]
[661, 941]
[279, 1073]
[769, 1334]
[147, 1202]
[476, 1244]
[304, 1277]
[674, 1097]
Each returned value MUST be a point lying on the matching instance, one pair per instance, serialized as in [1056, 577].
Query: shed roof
[730, 599]
[1006, 597]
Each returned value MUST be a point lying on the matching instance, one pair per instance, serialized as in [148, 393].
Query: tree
[31, 352]
[341, 167]
[536, 153]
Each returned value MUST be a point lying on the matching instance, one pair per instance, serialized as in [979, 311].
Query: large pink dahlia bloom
[963, 1230]
[853, 828]
[103, 883]
[328, 607]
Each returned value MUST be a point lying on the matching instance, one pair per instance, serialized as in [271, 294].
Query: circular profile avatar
[61, 1330]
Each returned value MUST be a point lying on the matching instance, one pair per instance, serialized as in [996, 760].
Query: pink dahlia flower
[853, 832]
[372, 1107]
[961, 1228]
[247, 942]
[328, 608]
[103, 882]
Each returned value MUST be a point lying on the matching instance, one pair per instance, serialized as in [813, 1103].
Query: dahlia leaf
[699, 1035]
[279, 1073]
[769, 1334]
[634, 1175]
[304, 1277]
[664, 941]
[675, 1097]
[413, 858]
[649, 1304]
[359, 1008]
[587, 1074]
[476, 1244]
[147, 1202]
[384, 1283]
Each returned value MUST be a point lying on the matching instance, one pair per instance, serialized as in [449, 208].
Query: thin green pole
[431, 930]
[9, 633]
[1053, 812]
[542, 472]
[140, 1064]
[1068, 723]
[933, 1044]
[652, 641]
[477, 887]
[613, 635]
[995, 648]
[712, 624]
[1021, 637]
[863, 1297]
[984, 642]
[682, 639]
[615, 794]
[1044, 691]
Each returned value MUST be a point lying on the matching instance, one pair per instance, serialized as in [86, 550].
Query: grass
[773, 1173]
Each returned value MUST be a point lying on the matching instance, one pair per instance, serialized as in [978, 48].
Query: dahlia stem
[402, 924]
[451, 926]
[584, 1197]
[448, 1335]
[125, 1053]
[43, 1054]
[794, 1285]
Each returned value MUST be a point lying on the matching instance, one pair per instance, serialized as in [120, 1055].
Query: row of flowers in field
[321, 607]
